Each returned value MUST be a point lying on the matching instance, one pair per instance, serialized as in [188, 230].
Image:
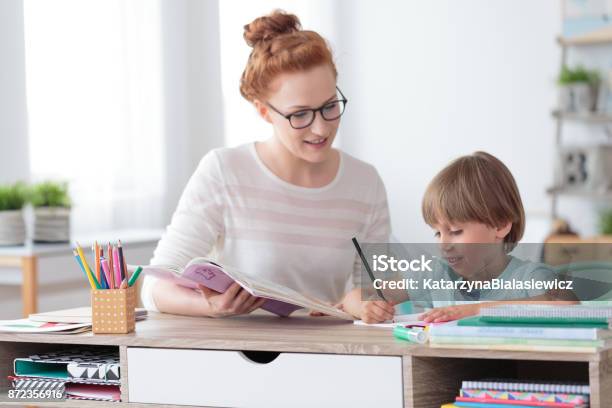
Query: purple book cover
[212, 276]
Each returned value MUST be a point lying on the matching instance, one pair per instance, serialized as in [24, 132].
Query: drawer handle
[259, 357]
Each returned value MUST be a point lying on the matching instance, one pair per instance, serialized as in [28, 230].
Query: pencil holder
[113, 310]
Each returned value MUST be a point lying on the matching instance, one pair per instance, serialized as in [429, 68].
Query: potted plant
[51, 203]
[605, 222]
[12, 225]
[578, 89]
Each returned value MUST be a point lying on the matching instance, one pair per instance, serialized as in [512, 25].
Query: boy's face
[472, 249]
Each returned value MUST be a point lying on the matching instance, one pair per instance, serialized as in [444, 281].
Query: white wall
[192, 90]
[13, 114]
[429, 81]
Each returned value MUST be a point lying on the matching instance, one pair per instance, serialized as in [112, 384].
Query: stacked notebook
[68, 321]
[84, 374]
[508, 393]
[576, 329]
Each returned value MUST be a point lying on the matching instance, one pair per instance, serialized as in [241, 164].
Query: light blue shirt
[517, 270]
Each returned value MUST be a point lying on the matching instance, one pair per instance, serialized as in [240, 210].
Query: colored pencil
[96, 250]
[117, 265]
[78, 259]
[86, 266]
[135, 276]
[109, 253]
[103, 280]
[107, 273]
[124, 271]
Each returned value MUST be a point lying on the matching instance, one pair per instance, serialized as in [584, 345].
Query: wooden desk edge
[327, 347]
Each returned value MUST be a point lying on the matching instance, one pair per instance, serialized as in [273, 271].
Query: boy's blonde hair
[476, 188]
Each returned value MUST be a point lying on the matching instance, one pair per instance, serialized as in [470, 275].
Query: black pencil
[367, 267]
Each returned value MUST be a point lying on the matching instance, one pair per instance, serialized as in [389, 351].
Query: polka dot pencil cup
[113, 310]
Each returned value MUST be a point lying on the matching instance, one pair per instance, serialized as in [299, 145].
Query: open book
[282, 301]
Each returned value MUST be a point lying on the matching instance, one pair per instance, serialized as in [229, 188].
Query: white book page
[398, 320]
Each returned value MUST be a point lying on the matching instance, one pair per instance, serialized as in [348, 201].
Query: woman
[286, 208]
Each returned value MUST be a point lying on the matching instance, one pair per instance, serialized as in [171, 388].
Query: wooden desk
[427, 377]
[26, 257]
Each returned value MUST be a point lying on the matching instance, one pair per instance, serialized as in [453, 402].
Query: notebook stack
[83, 374]
[509, 393]
[575, 329]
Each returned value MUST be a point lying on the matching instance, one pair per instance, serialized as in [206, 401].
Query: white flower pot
[51, 224]
[566, 100]
[584, 97]
[12, 228]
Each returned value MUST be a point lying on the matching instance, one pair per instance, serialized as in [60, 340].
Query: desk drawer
[233, 379]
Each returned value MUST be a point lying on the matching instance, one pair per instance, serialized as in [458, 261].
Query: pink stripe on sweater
[293, 219]
[287, 238]
[274, 196]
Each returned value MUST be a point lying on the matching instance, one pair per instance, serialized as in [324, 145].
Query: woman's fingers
[258, 303]
[232, 291]
[250, 302]
[206, 291]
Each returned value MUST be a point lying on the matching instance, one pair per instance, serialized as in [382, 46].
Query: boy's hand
[376, 311]
[448, 313]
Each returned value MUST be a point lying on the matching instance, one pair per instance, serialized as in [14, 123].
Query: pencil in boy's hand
[135, 276]
[78, 259]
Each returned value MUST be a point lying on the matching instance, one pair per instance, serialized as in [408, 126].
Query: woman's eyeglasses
[301, 119]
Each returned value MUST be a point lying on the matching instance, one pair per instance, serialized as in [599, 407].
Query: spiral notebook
[542, 314]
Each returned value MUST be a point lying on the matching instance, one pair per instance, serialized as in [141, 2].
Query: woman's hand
[314, 313]
[234, 301]
[448, 313]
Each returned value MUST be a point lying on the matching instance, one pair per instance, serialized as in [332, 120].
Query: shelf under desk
[413, 375]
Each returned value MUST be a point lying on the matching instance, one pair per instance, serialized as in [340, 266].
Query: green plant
[49, 194]
[578, 75]
[12, 197]
[605, 222]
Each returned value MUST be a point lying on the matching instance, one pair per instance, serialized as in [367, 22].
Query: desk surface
[266, 332]
[133, 236]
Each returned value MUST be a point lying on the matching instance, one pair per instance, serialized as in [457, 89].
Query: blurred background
[121, 99]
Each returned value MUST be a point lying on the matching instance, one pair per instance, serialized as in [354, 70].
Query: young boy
[476, 211]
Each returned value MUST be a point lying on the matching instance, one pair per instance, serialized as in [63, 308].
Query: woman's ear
[262, 110]
[502, 231]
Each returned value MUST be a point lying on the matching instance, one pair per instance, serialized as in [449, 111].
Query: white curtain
[94, 90]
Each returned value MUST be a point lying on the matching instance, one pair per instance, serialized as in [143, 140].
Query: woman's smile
[317, 144]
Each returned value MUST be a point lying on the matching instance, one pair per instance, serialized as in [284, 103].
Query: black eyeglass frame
[314, 111]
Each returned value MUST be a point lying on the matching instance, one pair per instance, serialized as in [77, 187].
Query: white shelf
[577, 192]
[590, 117]
[600, 37]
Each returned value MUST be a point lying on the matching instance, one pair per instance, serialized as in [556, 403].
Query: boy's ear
[262, 110]
[503, 230]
